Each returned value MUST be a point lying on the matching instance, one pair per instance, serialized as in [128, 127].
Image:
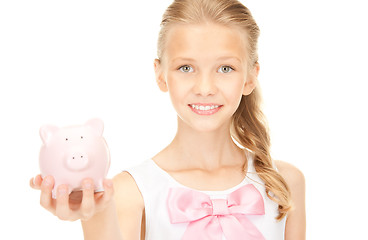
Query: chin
[203, 125]
[208, 127]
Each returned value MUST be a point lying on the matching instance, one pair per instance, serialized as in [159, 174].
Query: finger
[62, 203]
[88, 200]
[108, 193]
[32, 183]
[46, 193]
[36, 182]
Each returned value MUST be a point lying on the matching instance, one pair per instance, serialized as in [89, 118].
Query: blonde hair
[249, 126]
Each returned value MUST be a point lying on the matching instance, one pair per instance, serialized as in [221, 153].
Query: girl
[216, 179]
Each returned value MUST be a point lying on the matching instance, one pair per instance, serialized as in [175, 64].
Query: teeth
[204, 108]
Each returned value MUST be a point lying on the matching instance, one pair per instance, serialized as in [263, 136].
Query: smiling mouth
[205, 109]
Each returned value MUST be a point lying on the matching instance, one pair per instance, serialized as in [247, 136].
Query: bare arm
[123, 217]
[103, 225]
[295, 228]
[130, 206]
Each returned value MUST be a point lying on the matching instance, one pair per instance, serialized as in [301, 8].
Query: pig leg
[99, 186]
[54, 190]
[54, 193]
[56, 185]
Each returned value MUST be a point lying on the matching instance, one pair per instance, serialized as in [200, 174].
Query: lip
[205, 112]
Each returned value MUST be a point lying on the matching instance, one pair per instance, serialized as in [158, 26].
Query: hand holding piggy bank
[71, 154]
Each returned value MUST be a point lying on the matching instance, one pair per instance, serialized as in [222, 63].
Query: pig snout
[76, 161]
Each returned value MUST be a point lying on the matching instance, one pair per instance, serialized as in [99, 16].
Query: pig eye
[66, 139]
[81, 137]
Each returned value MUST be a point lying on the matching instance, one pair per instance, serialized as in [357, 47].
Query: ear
[252, 79]
[46, 133]
[96, 125]
[160, 79]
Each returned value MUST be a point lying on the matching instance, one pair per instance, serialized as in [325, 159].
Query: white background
[63, 62]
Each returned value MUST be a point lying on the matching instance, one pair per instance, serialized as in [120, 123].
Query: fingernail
[47, 181]
[62, 191]
[87, 185]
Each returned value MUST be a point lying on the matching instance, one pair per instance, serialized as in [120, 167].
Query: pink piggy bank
[71, 154]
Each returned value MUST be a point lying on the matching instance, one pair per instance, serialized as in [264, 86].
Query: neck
[207, 151]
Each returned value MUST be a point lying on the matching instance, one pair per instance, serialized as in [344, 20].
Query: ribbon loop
[210, 218]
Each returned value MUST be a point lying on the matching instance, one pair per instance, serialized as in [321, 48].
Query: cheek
[177, 86]
[174, 92]
[233, 88]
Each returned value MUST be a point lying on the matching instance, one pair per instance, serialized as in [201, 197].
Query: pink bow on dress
[209, 218]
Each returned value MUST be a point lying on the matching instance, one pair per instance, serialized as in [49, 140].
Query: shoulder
[126, 189]
[296, 217]
[293, 176]
[129, 205]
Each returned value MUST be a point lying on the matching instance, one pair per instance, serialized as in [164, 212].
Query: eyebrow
[229, 58]
[220, 58]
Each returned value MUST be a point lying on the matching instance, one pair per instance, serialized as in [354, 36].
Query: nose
[205, 85]
[77, 161]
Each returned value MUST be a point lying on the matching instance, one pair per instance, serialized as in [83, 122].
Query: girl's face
[205, 72]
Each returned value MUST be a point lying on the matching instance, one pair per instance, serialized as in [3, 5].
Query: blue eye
[186, 68]
[225, 69]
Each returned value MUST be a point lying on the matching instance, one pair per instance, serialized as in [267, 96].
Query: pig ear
[96, 125]
[46, 132]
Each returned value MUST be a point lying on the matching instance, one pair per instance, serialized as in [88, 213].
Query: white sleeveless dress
[154, 184]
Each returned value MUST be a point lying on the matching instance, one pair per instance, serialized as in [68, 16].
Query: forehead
[205, 41]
